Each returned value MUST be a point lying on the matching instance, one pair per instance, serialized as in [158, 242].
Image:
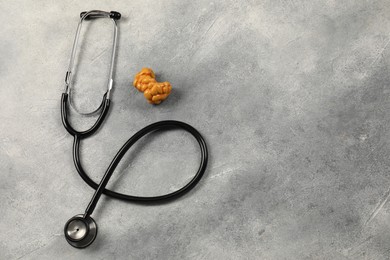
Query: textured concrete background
[291, 96]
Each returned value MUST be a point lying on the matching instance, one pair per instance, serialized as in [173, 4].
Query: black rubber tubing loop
[161, 125]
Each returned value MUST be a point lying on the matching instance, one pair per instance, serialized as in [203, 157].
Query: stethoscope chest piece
[80, 231]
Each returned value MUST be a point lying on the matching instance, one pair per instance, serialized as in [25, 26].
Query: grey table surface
[291, 96]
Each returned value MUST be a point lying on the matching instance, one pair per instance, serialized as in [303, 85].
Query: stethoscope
[81, 230]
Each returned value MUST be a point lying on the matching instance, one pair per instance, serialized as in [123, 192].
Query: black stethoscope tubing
[101, 187]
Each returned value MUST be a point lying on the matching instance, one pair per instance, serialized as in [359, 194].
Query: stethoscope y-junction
[81, 230]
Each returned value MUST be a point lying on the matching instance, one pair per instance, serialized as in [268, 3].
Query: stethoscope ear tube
[113, 16]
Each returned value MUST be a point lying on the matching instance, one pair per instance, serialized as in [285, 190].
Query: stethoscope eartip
[80, 231]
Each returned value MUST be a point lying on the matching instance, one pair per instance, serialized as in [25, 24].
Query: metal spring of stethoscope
[81, 230]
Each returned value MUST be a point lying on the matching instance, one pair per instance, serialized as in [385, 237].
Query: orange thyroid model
[155, 92]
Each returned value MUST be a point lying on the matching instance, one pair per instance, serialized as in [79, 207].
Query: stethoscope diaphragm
[80, 231]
